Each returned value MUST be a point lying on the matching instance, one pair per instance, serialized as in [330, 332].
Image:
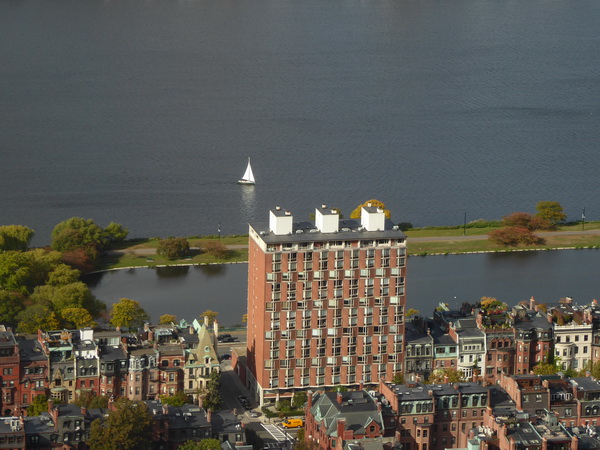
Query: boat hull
[246, 182]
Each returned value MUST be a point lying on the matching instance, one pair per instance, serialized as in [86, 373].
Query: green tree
[90, 400]
[204, 444]
[551, 211]
[299, 399]
[128, 427]
[173, 248]
[212, 398]
[74, 295]
[167, 319]
[77, 318]
[38, 405]
[177, 399]
[545, 368]
[77, 232]
[11, 304]
[15, 237]
[374, 203]
[128, 313]
[398, 378]
[37, 317]
[115, 232]
[62, 275]
[212, 315]
[22, 271]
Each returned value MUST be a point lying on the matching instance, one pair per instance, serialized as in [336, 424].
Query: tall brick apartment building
[325, 301]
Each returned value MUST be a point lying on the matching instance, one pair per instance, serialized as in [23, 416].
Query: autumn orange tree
[374, 203]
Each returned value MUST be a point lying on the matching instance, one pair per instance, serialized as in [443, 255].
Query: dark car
[222, 337]
[225, 357]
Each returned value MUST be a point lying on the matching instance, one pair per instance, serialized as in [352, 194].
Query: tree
[11, 304]
[545, 368]
[513, 236]
[38, 405]
[412, 312]
[491, 304]
[73, 295]
[22, 271]
[439, 376]
[211, 399]
[128, 427]
[177, 399]
[215, 249]
[173, 248]
[37, 317]
[211, 315]
[90, 400]
[115, 232]
[551, 211]
[167, 319]
[299, 399]
[204, 444]
[77, 232]
[128, 313]
[77, 318]
[373, 202]
[517, 219]
[62, 275]
[398, 378]
[15, 237]
[82, 259]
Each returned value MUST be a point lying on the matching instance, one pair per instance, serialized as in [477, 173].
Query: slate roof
[358, 408]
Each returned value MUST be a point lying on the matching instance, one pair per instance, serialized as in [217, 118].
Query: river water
[510, 277]
[144, 111]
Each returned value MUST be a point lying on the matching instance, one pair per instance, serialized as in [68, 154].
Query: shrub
[173, 247]
[215, 249]
[513, 236]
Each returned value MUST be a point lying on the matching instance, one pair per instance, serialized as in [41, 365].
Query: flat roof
[349, 230]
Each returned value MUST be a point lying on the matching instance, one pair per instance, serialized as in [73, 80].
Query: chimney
[206, 321]
[191, 329]
[379, 406]
[200, 401]
[216, 327]
[341, 427]
[50, 405]
[446, 379]
[309, 396]
[532, 303]
[83, 411]
[111, 403]
[209, 415]
[361, 385]
[340, 397]
[417, 378]
[474, 377]
[165, 409]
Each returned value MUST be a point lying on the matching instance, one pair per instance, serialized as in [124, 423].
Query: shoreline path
[152, 251]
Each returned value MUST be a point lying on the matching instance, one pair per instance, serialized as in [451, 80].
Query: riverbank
[421, 242]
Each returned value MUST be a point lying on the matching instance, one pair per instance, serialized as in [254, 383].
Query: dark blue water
[144, 112]
[510, 277]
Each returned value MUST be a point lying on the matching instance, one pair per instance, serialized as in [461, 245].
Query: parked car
[292, 423]
[254, 414]
[227, 339]
[225, 357]
[223, 336]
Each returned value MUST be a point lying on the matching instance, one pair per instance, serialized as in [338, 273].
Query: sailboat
[248, 177]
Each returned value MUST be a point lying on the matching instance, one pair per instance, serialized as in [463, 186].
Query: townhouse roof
[585, 384]
[7, 338]
[30, 349]
[424, 391]
[358, 409]
[110, 353]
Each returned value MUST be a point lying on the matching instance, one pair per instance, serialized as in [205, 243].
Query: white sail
[248, 177]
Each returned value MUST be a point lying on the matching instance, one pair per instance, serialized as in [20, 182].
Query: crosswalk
[276, 432]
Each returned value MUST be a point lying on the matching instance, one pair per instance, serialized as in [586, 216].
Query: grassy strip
[132, 260]
[483, 245]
